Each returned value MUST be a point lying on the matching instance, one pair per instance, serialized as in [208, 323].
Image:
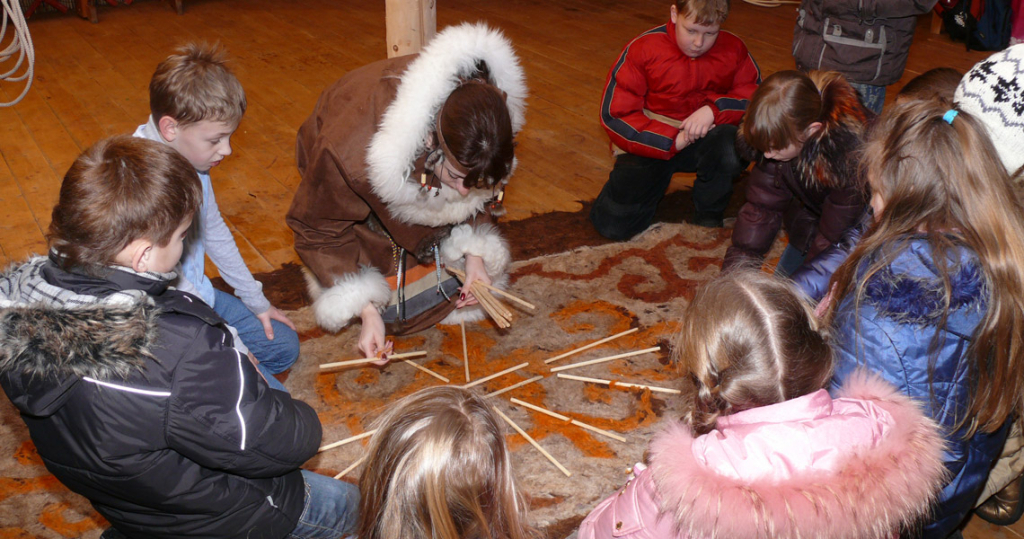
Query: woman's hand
[475, 271]
[371, 336]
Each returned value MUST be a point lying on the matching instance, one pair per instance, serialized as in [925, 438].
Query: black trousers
[637, 184]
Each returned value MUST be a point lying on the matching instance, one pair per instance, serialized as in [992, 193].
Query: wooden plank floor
[91, 82]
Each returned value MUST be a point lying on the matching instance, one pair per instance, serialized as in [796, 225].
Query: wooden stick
[350, 467]
[513, 386]
[591, 345]
[497, 317]
[617, 384]
[348, 363]
[495, 302]
[495, 375]
[485, 297]
[533, 442]
[347, 440]
[460, 274]
[364, 360]
[568, 420]
[465, 352]
[604, 359]
[428, 371]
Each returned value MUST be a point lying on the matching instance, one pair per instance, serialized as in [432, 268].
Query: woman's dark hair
[477, 128]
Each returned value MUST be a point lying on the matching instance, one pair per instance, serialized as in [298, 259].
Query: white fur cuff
[483, 241]
[336, 306]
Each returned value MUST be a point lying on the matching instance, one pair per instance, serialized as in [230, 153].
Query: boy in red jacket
[671, 104]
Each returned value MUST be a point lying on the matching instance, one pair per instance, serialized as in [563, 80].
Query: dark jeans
[637, 184]
[873, 97]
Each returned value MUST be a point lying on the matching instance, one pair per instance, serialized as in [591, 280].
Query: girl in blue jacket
[932, 298]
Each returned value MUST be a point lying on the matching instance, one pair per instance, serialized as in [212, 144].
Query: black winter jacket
[135, 399]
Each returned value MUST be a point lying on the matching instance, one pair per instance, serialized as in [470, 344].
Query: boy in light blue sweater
[196, 104]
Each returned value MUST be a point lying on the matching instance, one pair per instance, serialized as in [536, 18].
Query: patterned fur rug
[583, 295]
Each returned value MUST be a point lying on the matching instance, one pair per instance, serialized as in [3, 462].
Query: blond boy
[196, 104]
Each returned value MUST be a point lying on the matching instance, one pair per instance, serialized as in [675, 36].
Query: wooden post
[410, 25]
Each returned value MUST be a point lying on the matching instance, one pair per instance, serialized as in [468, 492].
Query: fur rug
[583, 295]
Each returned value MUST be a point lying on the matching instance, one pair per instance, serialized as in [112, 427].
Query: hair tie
[949, 115]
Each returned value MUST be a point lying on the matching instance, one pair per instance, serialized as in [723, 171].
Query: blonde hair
[749, 340]
[704, 12]
[196, 85]
[785, 104]
[945, 178]
[439, 469]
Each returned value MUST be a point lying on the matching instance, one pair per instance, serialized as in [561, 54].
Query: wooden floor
[91, 82]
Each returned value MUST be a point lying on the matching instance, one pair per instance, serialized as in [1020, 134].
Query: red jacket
[652, 74]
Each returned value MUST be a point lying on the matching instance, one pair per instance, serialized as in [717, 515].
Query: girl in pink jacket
[764, 451]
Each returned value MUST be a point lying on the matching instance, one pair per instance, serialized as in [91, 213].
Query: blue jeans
[275, 356]
[331, 508]
[790, 260]
[873, 97]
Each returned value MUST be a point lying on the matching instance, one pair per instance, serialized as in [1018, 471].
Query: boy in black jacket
[132, 391]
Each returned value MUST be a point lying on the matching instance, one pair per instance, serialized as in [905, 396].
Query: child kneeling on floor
[763, 450]
[439, 468]
[132, 391]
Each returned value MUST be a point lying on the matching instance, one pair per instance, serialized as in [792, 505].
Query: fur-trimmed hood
[401, 138]
[911, 290]
[830, 157]
[881, 477]
[51, 337]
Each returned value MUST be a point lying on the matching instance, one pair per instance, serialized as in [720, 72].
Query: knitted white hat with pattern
[993, 92]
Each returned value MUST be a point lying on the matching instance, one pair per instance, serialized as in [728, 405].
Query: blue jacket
[813, 276]
[891, 333]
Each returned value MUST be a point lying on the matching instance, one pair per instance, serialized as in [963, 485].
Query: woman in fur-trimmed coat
[385, 201]
[865, 464]
[804, 132]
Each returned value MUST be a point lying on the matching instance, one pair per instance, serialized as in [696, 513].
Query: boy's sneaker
[709, 220]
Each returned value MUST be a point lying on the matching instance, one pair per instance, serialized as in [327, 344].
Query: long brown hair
[119, 190]
[439, 469]
[749, 340]
[944, 180]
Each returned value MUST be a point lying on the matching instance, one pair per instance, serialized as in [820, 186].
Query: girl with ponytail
[763, 451]
[804, 131]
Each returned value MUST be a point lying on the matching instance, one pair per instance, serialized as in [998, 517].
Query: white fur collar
[409, 120]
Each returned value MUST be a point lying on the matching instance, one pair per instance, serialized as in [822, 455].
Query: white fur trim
[336, 306]
[483, 241]
[466, 314]
[409, 120]
[475, 313]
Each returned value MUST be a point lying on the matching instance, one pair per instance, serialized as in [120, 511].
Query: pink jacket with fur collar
[862, 465]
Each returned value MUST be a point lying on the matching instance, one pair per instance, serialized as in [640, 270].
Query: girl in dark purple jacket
[805, 131]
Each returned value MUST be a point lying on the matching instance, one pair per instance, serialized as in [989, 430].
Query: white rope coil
[21, 44]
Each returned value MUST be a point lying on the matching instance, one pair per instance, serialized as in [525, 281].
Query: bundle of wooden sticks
[497, 310]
